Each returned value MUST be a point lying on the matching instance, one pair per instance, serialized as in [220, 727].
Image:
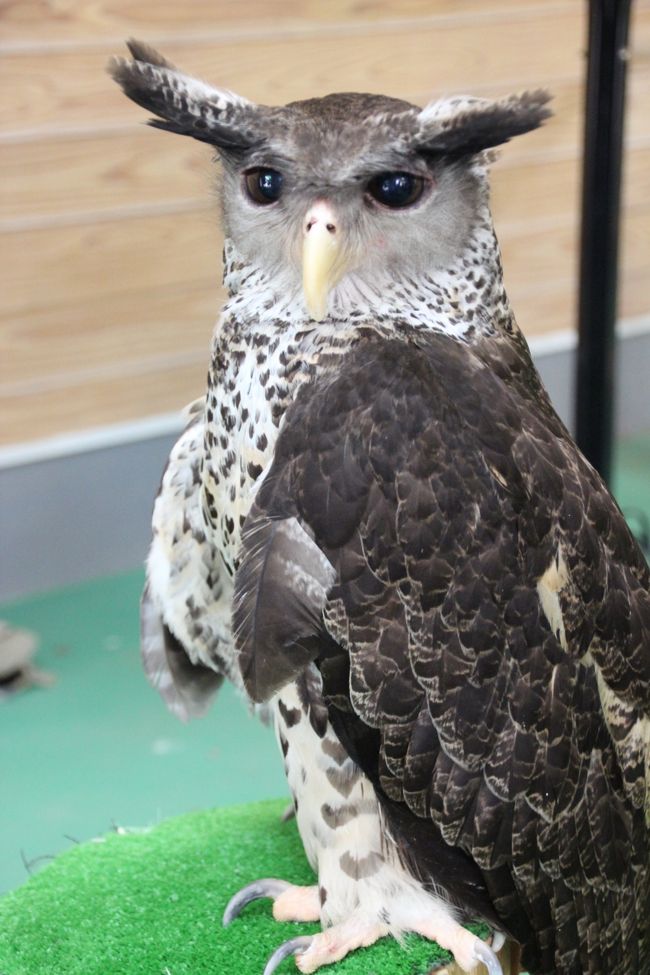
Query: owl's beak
[321, 251]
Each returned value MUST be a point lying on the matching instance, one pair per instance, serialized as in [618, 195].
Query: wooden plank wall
[110, 250]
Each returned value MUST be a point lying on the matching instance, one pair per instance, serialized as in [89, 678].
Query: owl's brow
[265, 156]
[369, 164]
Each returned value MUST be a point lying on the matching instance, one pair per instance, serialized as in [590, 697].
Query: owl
[376, 527]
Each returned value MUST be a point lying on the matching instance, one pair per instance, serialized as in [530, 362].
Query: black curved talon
[268, 887]
[485, 954]
[296, 946]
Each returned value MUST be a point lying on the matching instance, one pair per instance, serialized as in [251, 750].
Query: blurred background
[111, 266]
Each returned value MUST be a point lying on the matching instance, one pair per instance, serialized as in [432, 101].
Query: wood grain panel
[105, 300]
[111, 253]
[49, 346]
[133, 394]
[554, 309]
[30, 21]
[102, 173]
[113, 172]
[95, 403]
[72, 87]
[539, 256]
[529, 192]
[95, 260]
[124, 119]
[562, 135]
[90, 264]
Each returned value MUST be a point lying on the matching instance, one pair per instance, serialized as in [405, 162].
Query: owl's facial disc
[323, 261]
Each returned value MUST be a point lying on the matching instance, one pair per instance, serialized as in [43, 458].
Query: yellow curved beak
[321, 258]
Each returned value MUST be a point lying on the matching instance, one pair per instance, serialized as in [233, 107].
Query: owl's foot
[290, 903]
[329, 946]
[507, 953]
[472, 956]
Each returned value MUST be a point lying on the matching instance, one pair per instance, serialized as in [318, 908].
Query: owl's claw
[268, 887]
[295, 946]
[497, 941]
[485, 954]
[290, 903]
[468, 950]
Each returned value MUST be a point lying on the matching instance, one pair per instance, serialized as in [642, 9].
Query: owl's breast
[254, 376]
[249, 390]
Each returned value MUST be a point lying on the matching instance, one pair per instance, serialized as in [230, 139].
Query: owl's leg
[290, 903]
[364, 892]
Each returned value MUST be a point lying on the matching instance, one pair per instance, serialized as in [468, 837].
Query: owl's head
[348, 185]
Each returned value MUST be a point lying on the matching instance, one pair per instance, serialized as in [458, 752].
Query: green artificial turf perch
[151, 903]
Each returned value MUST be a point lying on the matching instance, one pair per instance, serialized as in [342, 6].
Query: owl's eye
[396, 190]
[264, 185]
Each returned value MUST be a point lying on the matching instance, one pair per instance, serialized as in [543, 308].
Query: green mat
[151, 902]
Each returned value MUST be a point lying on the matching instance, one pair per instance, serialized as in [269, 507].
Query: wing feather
[187, 688]
[280, 593]
[185, 607]
[490, 610]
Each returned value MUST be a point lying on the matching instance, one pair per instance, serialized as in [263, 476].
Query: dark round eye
[264, 185]
[396, 189]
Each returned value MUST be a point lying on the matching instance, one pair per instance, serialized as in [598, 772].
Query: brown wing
[485, 644]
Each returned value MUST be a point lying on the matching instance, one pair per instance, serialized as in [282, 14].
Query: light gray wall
[632, 408]
[73, 517]
[87, 513]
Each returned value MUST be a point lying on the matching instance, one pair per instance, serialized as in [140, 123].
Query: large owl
[376, 526]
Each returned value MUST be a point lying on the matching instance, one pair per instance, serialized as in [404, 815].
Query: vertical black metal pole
[603, 146]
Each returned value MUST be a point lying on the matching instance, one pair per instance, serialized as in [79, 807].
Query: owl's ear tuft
[465, 126]
[141, 51]
[186, 105]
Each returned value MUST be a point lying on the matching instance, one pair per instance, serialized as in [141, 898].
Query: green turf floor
[98, 750]
[152, 902]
